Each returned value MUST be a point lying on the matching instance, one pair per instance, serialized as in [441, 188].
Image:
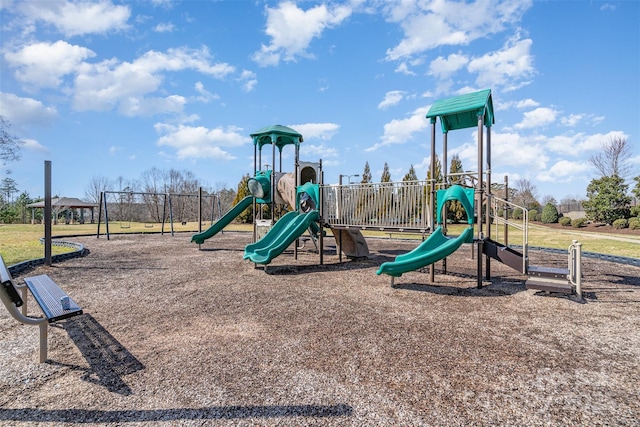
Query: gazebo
[68, 204]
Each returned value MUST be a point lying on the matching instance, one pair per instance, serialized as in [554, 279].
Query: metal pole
[444, 185]
[99, 214]
[296, 173]
[479, 199]
[488, 207]
[432, 200]
[199, 209]
[171, 215]
[506, 211]
[106, 216]
[47, 212]
[321, 203]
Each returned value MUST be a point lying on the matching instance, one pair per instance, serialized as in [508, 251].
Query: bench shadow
[108, 360]
[83, 416]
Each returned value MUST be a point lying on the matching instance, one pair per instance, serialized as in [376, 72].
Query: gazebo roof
[276, 134]
[65, 202]
[461, 112]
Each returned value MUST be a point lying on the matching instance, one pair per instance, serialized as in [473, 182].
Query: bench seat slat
[47, 293]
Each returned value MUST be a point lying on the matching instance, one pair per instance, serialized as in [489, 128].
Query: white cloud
[205, 95]
[45, 64]
[199, 142]
[149, 106]
[391, 98]
[248, 79]
[563, 171]
[527, 103]
[508, 150]
[403, 68]
[25, 112]
[445, 67]
[292, 29]
[164, 27]
[572, 119]
[400, 131]
[321, 151]
[428, 25]
[541, 116]
[509, 68]
[80, 17]
[107, 84]
[33, 145]
[323, 131]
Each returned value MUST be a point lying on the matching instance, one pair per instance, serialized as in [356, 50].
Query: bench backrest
[7, 287]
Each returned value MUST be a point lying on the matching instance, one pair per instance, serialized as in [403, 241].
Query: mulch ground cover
[173, 335]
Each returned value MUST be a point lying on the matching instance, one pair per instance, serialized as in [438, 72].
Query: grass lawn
[20, 242]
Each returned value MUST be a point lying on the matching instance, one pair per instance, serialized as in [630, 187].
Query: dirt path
[177, 336]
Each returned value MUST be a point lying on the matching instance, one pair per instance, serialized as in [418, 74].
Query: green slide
[435, 248]
[243, 204]
[282, 234]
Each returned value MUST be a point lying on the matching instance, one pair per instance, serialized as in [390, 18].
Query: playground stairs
[549, 279]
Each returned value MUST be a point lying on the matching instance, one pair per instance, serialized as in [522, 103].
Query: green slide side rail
[243, 204]
[435, 248]
[291, 226]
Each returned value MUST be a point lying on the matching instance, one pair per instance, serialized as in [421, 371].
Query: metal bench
[53, 301]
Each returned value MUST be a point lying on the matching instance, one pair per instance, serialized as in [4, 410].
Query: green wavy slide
[282, 234]
[435, 248]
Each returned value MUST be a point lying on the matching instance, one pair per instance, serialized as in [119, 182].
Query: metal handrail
[498, 204]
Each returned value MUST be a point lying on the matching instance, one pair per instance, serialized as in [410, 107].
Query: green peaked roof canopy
[461, 112]
[276, 134]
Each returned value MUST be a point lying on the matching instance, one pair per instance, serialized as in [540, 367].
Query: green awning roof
[276, 134]
[461, 112]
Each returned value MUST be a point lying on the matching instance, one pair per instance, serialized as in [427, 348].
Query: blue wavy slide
[282, 234]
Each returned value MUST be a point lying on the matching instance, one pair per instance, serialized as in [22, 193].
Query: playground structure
[416, 206]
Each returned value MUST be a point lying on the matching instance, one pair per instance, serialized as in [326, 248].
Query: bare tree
[614, 158]
[97, 185]
[10, 145]
[526, 194]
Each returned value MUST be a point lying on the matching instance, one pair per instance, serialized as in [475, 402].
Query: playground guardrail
[402, 206]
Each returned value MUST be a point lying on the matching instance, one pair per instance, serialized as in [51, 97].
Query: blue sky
[112, 89]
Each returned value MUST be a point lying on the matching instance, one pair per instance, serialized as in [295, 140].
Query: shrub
[539, 217]
[635, 211]
[621, 223]
[533, 215]
[517, 213]
[550, 214]
[634, 223]
[578, 222]
[565, 221]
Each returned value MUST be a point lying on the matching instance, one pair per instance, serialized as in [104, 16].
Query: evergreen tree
[366, 174]
[454, 168]
[607, 199]
[386, 176]
[241, 193]
[550, 214]
[455, 210]
[636, 190]
[411, 175]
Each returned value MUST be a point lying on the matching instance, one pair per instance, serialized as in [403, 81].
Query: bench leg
[44, 332]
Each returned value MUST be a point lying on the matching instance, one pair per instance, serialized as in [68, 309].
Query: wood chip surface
[174, 335]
